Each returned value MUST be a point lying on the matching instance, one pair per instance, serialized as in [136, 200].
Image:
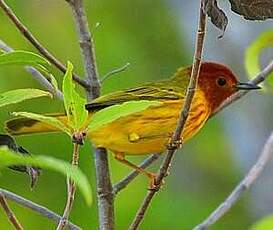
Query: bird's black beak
[246, 86]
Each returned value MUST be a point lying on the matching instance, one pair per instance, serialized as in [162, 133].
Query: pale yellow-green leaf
[52, 121]
[8, 158]
[73, 102]
[20, 57]
[253, 53]
[18, 95]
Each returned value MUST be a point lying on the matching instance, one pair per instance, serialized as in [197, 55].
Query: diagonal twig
[104, 184]
[34, 41]
[12, 218]
[36, 207]
[244, 185]
[129, 178]
[182, 119]
[115, 71]
[36, 74]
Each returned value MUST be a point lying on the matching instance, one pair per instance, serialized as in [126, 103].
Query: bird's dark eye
[221, 81]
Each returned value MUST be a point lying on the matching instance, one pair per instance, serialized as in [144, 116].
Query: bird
[149, 131]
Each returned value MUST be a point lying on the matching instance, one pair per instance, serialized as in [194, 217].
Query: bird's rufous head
[218, 83]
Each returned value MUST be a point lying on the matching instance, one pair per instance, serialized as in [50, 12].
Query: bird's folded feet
[174, 144]
[153, 182]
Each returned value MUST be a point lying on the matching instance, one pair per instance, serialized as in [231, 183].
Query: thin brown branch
[129, 178]
[34, 41]
[115, 71]
[87, 48]
[244, 185]
[35, 207]
[104, 185]
[36, 74]
[174, 145]
[12, 218]
[104, 191]
[71, 189]
[258, 79]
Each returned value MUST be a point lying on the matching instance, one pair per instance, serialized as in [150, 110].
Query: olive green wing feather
[152, 91]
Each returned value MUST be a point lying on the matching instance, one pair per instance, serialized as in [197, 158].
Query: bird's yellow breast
[150, 130]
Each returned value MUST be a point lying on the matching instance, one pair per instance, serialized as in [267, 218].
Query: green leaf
[115, 112]
[265, 223]
[8, 158]
[73, 102]
[52, 121]
[254, 51]
[18, 95]
[20, 57]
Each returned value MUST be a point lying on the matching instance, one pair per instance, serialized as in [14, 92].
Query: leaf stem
[71, 189]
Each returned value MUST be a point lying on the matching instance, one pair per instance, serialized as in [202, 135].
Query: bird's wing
[159, 91]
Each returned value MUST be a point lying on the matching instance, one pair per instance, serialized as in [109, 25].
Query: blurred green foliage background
[147, 35]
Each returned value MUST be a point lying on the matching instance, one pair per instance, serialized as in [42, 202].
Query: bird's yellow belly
[149, 131]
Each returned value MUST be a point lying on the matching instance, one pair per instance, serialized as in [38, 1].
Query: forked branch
[36, 74]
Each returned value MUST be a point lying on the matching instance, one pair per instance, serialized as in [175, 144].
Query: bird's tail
[23, 126]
